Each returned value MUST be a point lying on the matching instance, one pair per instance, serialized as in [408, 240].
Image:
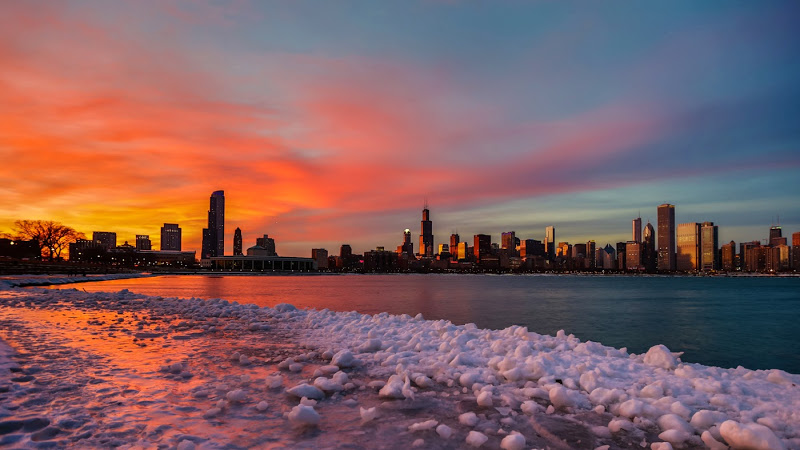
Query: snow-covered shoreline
[431, 383]
[54, 280]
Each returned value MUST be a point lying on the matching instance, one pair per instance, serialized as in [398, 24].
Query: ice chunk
[302, 415]
[485, 399]
[705, 419]
[344, 359]
[296, 367]
[749, 436]
[327, 385]
[677, 437]
[236, 396]
[421, 426]
[661, 446]
[262, 406]
[306, 390]
[186, 445]
[212, 412]
[284, 307]
[274, 381]
[469, 419]
[340, 377]
[712, 443]
[476, 439]
[368, 414]
[674, 422]
[418, 443]
[370, 346]
[444, 431]
[660, 356]
[423, 381]
[513, 441]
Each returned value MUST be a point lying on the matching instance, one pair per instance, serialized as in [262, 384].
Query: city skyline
[121, 116]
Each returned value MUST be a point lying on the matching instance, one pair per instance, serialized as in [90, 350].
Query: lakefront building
[666, 238]
[426, 234]
[709, 247]
[214, 235]
[688, 257]
[171, 237]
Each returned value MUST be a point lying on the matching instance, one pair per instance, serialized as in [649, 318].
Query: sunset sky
[330, 122]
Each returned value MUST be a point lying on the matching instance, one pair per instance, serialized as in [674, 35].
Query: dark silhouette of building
[482, 246]
[216, 222]
[345, 251]
[266, 243]
[107, 239]
[143, 242]
[426, 238]
[636, 234]
[237, 242]
[648, 249]
[666, 238]
[455, 239]
[709, 247]
[743, 248]
[407, 247]
[621, 256]
[320, 255]
[795, 259]
[171, 237]
[591, 250]
[776, 236]
[17, 249]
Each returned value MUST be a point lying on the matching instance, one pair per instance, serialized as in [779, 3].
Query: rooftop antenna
[426, 203]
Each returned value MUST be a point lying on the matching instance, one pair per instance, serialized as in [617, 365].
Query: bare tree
[52, 237]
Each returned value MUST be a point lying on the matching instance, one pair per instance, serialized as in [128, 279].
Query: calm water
[724, 322]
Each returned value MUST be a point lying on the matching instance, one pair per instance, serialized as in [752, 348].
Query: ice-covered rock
[514, 441]
[444, 431]
[284, 307]
[469, 419]
[344, 359]
[370, 346]
[485, 399]
[262, 406]
[236, 396]
[327, 385]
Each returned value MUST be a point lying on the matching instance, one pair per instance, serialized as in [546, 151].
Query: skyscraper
[728, 253]
[666, 237]
[550, 242]
[688, 257]
[171, 237]
[455, 239]
[482, 246]
[426, 236]
[407, 247]
[508, 242]
[709, 246]
[795, 251]
[636, 234]
[216, 224]
[776, 236]
[237, 242]
[591, 249]
[648, 249]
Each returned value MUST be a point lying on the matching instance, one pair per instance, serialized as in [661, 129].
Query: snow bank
[498, 374]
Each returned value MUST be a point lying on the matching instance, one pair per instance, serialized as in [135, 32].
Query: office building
[709, 247]
[320, 255]
[728, 257]
[455, 239]
[591, 250]
[407, 246]
[609, 257]
[214, 235]
[744, 247]
[776, 236]
[666, 238]
[508, 241]
[649, 256]
[426, 234]
[550, 242]
[463, 251]
[633, 256]
[143, 242]
[795, 257]
[106, 239]
[268, 244]
[636, 233]
[621, 256]
[237, 242]
[171, 237]
[688, 256]
[532, 248]
[482, 247]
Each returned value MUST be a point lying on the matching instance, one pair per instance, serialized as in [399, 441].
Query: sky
[334, 122]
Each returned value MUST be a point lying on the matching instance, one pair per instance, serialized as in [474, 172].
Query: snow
[171, 372]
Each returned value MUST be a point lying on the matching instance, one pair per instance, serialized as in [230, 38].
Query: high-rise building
[216, 224]
[482, 246]
[320, 255]
[530, 248]
[455, 239]
[345, 251]
[633, 256]
[550, 242]
[268, 244]
[508, 241]
[426, 234]
[688, 256]
[621, 256]
[728, 257]
[776, 235]
[649, 256]
[709, 245]
[591, 250]
[171, 237]
[463, 251]
[744, 248]
[636, 234]
[237, 242]
[143, 242]
[205, 253]
[609, 257]
[795, 258]
[106, 239]
[666, 238]
[407, 246]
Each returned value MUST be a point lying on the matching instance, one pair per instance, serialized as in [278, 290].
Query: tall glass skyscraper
[666, 237]
[426, 236]
[214, 235]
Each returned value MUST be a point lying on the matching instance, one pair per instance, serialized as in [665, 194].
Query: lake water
[753, 322]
